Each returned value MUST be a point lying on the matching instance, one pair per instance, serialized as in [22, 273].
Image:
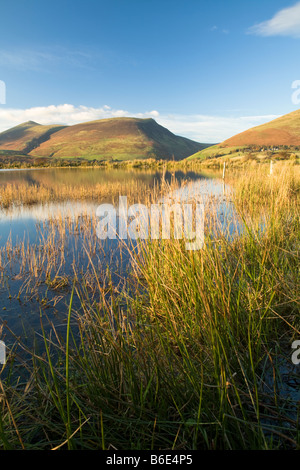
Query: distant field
[213, 152]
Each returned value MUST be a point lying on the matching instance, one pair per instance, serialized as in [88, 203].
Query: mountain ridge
[123, 138]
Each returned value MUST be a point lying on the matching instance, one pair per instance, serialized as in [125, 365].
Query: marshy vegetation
[21, 194]
[187, 350]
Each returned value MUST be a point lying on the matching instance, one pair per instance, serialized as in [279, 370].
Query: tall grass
[188, 354]
[27, 194]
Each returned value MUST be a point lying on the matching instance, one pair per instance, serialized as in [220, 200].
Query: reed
[186, 352]
[28, 194]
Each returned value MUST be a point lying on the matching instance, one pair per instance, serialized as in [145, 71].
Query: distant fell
[282, 131]
[27, 136]
[117, 139]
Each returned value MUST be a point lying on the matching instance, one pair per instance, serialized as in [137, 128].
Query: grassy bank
[211, 157]
[190, 354]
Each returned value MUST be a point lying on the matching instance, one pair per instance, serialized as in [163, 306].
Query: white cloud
[63, 114]
[202, 128]
[284, 23]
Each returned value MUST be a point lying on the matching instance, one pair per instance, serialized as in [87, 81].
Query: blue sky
[206, 70]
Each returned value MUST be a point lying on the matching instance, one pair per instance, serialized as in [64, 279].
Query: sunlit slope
[281, 131]
[27, 136]
[119, 139]
[278, 132]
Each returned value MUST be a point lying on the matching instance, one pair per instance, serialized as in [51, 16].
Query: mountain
[25, 137]
[105, 139]
[282, 131]
[119, 139]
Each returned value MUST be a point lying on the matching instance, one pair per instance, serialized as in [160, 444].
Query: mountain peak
[32, 123]
[26, 136]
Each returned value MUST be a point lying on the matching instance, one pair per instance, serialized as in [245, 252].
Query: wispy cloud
[216, 28]
[44, 59]
[202, 128]
[284, 23]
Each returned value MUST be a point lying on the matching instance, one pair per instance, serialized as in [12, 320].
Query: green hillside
[106, 139]
[117, 139]
[283, 132]
[216, 151]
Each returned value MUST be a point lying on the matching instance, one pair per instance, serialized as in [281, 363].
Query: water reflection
[43, 243]
[19, 221]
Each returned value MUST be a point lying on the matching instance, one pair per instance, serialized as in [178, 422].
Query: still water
[44, 244]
